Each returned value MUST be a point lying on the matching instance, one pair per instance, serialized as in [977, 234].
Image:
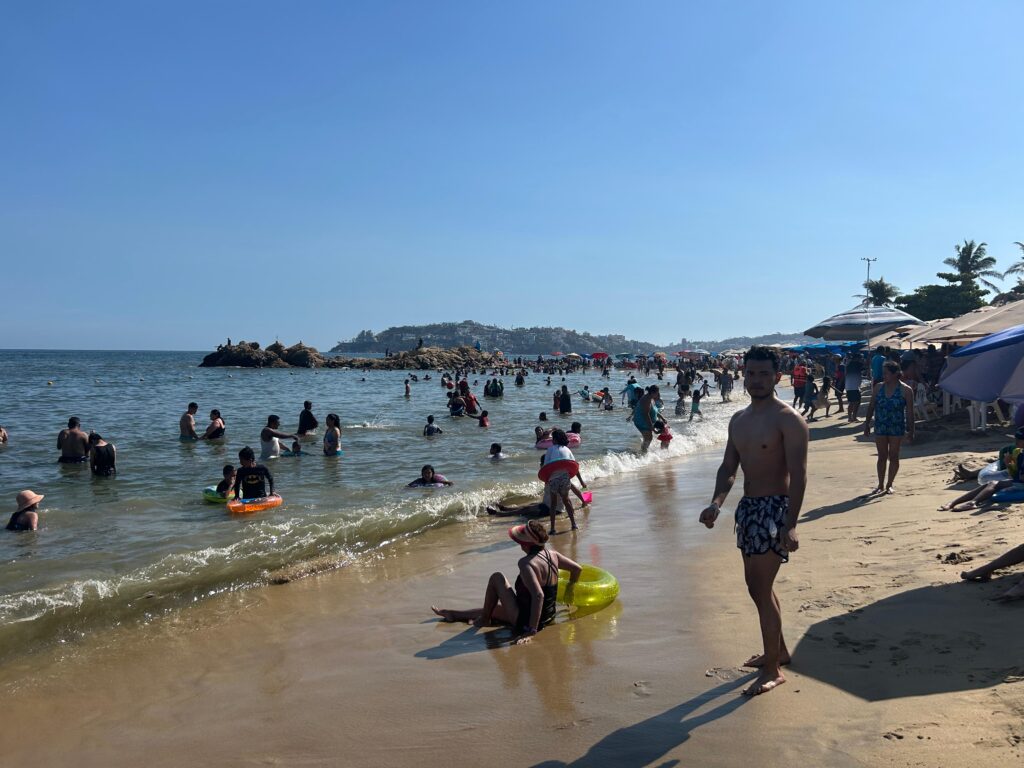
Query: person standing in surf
[768, 439]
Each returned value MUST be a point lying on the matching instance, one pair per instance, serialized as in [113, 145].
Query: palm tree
[878, 293]
[972, 265]
[1018, 268]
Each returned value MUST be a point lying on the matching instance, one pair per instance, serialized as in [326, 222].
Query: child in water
[224, 486]
[558, 486]
[664, 434]
[296, 450]
[483, 420]
[695, 405]
[496, 454]
[431, 429]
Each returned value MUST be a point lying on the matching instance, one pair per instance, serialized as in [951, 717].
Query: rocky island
[249, 354]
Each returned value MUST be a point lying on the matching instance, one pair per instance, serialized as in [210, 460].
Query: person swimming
[428, 477]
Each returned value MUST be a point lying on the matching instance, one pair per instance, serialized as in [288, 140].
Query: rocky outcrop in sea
[249, 354]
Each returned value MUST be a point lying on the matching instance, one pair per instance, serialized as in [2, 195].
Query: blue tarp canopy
[821, 346]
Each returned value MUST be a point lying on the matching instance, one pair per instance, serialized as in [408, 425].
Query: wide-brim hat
[521, 534]
[27, 498]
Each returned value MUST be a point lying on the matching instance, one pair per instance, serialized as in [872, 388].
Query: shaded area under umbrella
[861, 323]
[935, 639]
[990, 369]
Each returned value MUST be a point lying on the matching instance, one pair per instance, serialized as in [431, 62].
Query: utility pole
[869, 261]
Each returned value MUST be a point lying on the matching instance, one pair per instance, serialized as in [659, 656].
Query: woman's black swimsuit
[525, 601]
[16, 525]
[216, 434]
[104, 460]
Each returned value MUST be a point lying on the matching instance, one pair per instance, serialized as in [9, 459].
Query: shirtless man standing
[187, 423]
[768, 439]
[73, 443]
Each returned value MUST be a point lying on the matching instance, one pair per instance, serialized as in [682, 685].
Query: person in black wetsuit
[102, 456]
[564, 400]
[307, 421]
[530, 606]
[251, 479]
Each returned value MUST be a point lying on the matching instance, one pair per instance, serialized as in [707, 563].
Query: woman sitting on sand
[530, 606]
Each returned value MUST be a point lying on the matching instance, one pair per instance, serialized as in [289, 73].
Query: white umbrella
[860, 323]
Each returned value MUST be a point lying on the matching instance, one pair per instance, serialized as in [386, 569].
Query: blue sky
[175, 173]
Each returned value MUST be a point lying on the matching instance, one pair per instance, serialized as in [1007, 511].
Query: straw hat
[521, 534]
[27, 498]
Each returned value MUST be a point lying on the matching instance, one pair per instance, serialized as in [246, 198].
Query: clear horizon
[176, 176]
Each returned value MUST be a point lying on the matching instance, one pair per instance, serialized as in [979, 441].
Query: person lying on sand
[533, 508]
[984, 573]
[530, 606]
[1009, 461]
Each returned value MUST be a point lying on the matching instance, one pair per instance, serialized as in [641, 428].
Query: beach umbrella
[623, 356]
[556, 354]
[572, 354]
[861, 323]
[600, 355]
[990, 369]
[700, 352]
[660, 354]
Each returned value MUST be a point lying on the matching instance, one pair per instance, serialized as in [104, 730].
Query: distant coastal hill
[534, 341]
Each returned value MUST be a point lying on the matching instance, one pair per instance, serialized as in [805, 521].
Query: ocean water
[143, 543]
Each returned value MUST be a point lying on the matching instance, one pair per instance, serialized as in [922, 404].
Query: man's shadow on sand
[644, 742]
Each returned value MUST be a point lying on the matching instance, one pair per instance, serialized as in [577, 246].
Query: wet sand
[895, 661]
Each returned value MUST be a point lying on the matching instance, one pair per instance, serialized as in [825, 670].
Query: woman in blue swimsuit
[892, 406]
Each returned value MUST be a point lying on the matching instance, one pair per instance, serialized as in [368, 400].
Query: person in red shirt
[799, 382]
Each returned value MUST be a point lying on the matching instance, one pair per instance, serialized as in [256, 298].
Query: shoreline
[895, 661]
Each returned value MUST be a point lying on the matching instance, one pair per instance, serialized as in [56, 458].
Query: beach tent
[973, 325]
[989, 369]
[860, 323]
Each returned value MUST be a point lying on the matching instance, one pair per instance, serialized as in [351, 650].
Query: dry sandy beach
[896, 661]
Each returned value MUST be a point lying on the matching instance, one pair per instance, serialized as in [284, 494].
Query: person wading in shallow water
[768, 439]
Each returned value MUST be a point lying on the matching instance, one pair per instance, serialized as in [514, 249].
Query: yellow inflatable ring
[595, 589]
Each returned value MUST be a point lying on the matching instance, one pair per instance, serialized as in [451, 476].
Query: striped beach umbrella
[860, 323]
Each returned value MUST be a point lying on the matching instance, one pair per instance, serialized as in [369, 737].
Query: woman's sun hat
[27, 498]
[521, 534]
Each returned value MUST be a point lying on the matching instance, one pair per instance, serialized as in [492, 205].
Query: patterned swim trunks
[759, 524]
[556, 487]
